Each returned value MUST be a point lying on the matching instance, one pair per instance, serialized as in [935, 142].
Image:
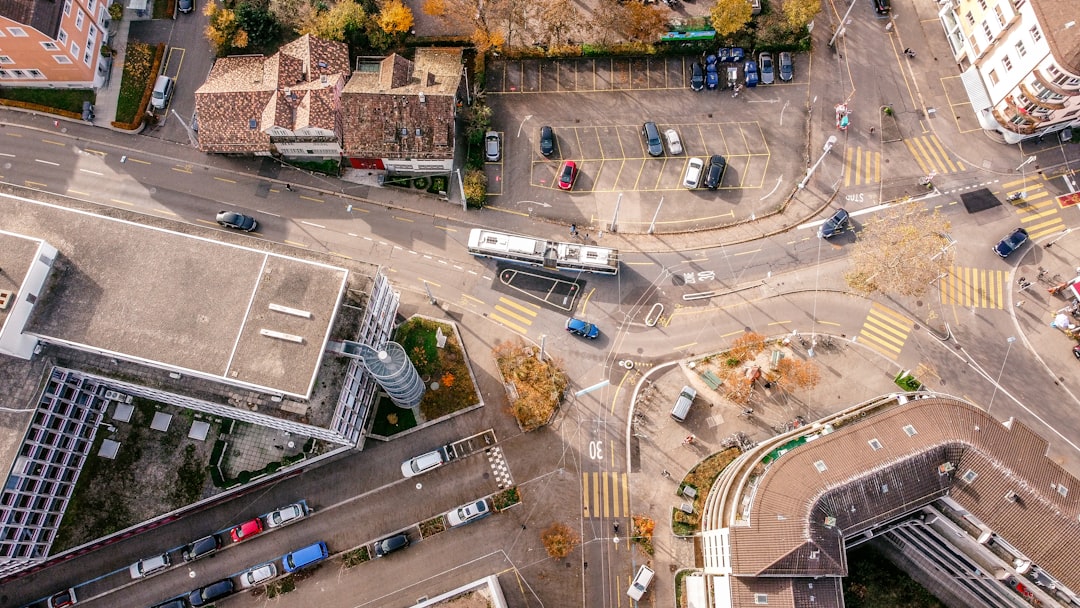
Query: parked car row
[256, 575]
[761, 71]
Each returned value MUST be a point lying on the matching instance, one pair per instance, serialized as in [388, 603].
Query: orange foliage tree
[559, 540]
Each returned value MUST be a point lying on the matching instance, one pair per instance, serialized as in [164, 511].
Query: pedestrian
[665, 473]
[288, 187]
[616, 527]
[573, 229]
[585, 565]
[522, 526]
[1020, 304]
[586, 236]
[56, 123]
[871, 130]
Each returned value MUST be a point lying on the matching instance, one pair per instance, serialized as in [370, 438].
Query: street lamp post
[828, 146]
[998, 380]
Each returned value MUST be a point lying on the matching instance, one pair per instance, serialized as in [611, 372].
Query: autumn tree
[900, 252]
[434, 8]
[395, 18]
[557, 19]
[291, 14]
[643, 22]
[800, 12]
[223, 29]
[536, 387]
[475, 183]
[559, 540]
[796, 374]
[730, 16]
[336, 22]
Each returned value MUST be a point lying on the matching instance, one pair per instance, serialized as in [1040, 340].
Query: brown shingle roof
[1056, 20]
[44, 17]
[877, 468]
[296, 88]
[403, 95]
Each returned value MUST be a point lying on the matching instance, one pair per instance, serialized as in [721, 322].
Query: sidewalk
[105, 103]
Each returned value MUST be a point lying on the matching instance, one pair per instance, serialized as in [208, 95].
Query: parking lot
[596, 107]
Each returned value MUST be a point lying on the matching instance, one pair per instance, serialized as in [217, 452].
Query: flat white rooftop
[179, 301]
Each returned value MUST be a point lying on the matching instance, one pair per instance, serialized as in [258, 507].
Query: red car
[567, 175]
[246, 530]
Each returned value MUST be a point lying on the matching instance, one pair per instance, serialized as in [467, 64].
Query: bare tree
[557, 19]
[901, 252]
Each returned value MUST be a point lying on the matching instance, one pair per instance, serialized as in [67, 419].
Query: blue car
[712, 77]
[582, 328]
[1012, 241]
[751, 73]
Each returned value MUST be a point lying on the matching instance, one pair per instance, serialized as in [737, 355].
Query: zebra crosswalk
[974, 287]
[931, 156]
[1038, 209]
[861, 167]
[515, 316]
[605, 494]
[885, 330]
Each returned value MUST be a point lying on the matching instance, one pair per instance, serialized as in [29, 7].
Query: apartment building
[53, 43]
[1020, 62]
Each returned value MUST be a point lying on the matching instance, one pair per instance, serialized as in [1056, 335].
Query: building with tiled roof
[975, 504]
[287, 104]
[399, 115]
[56, 43]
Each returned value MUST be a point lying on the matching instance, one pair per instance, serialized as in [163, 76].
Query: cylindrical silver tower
[394, 372]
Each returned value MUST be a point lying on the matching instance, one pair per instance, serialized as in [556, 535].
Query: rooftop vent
[269, 333]
[5, 298]
[253, 124]
[1011, 496]
[422, 98]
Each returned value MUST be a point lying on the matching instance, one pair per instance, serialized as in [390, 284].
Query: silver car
[674, 145]
[766, 65]
[693, 173]
[492, 146]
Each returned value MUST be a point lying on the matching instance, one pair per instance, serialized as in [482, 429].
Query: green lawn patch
[391, 419]
[62, 99]
[326, 167]
[355, 557]
[506, 499]
[907, 382]
[137, 77]
[445, 366]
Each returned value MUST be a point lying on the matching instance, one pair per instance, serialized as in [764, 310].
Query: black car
[547, 141]
[201, 548]
[697, 77]
[388, 545]
[239, 221]
[881, 7]
[185, 6]
[1011, 242]
[211, 592]
[834, 225]
[715, 171]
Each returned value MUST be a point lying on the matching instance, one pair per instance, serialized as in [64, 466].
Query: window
[75, 49]
[35, 73]
[67, 8]
[5, 60]
[986, 30]
[1000, 15]
[4, 74]
[974, 44]
[982, 4]
[49, 46]
[1036, 35]
[17, 32]
[86, 55]
[79, 20]
[993, 76]
[970, 18]
[61, 36]
[1020, 50]
[90, 5]
[1006, 63]
[18, 74]
[93, 31]
[61, 59]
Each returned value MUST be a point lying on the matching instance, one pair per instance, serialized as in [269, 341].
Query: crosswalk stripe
[936, 143]
[871, 340]
[1034, 216]
[967, 286]
[510, 324]
[605, 494]
[514, 315]
[523, 308]
[931, 155]
[915, 154]
[1051, 227]
[897, 318]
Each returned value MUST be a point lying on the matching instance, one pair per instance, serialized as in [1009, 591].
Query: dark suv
[547, 140]
[201, 548]
[881, 7]
[834, 225]
[697, 77]
[715, 171]
[652, 139]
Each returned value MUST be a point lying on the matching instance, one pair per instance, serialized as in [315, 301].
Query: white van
[683, 403]
[163, 88]
[641, 583]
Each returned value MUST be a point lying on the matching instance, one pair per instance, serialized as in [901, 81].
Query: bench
[712, 380]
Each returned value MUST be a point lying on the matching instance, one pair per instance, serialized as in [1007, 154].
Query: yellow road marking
[55, 143]
[30, 183]
[585, 303]
[509, 324]
[166, 212]
[522, 307]
[308, 198]
[225, 179]
[297, 244]
[429, 282]
[477, 300]
[684, 346]
[404, 219]
[97, 152]
[446, 228]
[514, 315]
[1035, 216]
[341, 255]
[604, 494]
[181, 170]
[116, 200]
[135, 160]
[80, 193]
[14, 135]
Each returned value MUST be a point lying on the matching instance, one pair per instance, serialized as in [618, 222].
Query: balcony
[1006, 123]
[1047, 105]
[1050, 86]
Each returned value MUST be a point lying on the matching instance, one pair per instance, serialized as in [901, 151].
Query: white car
[423, 463]
[693, 173]
[257, 575]
[674, 145]
[284, 515]
[468, 513]
[641, 582]
[149, 566]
